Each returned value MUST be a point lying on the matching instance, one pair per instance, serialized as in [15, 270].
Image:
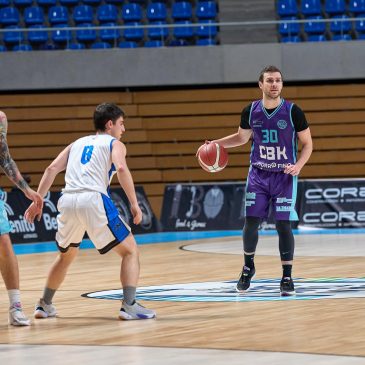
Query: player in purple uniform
[274, 125]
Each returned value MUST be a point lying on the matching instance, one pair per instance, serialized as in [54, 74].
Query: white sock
[14, 296]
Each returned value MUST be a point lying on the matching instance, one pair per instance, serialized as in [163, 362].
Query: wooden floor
[297, 327]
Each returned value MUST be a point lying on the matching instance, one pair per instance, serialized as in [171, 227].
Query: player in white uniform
[85, 206]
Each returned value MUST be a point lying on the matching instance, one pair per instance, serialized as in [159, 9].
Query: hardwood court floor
[328, 326]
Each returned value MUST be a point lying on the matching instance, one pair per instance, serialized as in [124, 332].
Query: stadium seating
[357, 6]
[287, 8]
[130, 13]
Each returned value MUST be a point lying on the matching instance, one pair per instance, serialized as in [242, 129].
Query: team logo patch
[261, 290]
[282, 124]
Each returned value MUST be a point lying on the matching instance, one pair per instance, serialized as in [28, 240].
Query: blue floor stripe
[143, 239]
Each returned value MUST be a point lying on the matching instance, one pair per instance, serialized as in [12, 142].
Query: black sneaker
[287, 287]
[245, 279]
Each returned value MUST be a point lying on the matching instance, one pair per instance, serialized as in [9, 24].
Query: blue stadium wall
[179, 66]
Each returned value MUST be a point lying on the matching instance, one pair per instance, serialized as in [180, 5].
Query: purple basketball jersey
[274, 137]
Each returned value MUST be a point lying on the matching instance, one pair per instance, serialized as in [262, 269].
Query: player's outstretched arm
[237, 139]
[125, 179]
[59, 164]
[10, 168]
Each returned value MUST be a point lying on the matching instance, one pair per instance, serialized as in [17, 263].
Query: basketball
[212, 157]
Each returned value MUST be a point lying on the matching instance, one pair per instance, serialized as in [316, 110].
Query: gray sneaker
[43, 310]
[17, 316]
[135, 311]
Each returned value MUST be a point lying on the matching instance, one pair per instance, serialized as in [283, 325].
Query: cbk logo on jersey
[261, 290]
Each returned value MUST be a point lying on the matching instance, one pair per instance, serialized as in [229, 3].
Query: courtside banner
[333, 203]
[199, 207]
[149, 222]
[22, 232]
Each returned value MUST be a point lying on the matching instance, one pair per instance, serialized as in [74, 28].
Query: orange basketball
[212, 157]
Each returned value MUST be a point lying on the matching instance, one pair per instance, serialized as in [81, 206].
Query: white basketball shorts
[90, 212]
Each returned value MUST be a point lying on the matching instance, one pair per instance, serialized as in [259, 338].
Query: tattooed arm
[9, 166]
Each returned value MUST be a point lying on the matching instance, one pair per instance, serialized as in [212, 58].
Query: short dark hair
[105, 112]
[269, 69]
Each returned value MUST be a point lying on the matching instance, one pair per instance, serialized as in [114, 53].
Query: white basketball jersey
[89, 166]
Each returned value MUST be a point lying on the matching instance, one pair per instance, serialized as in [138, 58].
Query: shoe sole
[287, 293]
[42, 315]
[246, 290]
[127, 317]
[19, 324]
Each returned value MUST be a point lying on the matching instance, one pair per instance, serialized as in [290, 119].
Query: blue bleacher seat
[287, 8]
[107, 13]
[133, 33]
[361, 36]
[317, 38]
[335, 7]
[205, 30]
[311, 7]
[340, 26]
[9, 16]
[50, 46]
[85, 35]
[360, 24]
[4, 3]
[33, 15]
[61, 35]
[312, 27]
[46, 3]
[154, 44]
[75, 46]
[109, 34]
[22, 47]
[290, 29]
[13, 34]
[100, 45]
[126, 44]
[178, 43]
[2, 48]
[158, 32]
[22, 3]
[37, 37]
[182, 10]
[341, 37]
[156, 12]
[357, 6]
[83, 14]
[291, 39]
[58, 15]
[206, 42]
[183, 32]
[131, 12]
[206, 10]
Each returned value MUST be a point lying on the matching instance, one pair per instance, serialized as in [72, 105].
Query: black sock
[287, 271]
[249, 260]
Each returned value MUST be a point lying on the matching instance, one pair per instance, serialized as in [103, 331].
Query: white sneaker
[135, 311]
[17, 316]
[43, 310]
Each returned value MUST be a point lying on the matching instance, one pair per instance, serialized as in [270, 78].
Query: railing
[210, 27]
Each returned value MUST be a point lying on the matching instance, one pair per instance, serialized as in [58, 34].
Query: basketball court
[189, 279]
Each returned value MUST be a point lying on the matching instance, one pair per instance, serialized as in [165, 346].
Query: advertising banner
[22, 232]
[199, 207]
[333, 203]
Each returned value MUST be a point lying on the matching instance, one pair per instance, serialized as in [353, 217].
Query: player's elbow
[120, 168]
